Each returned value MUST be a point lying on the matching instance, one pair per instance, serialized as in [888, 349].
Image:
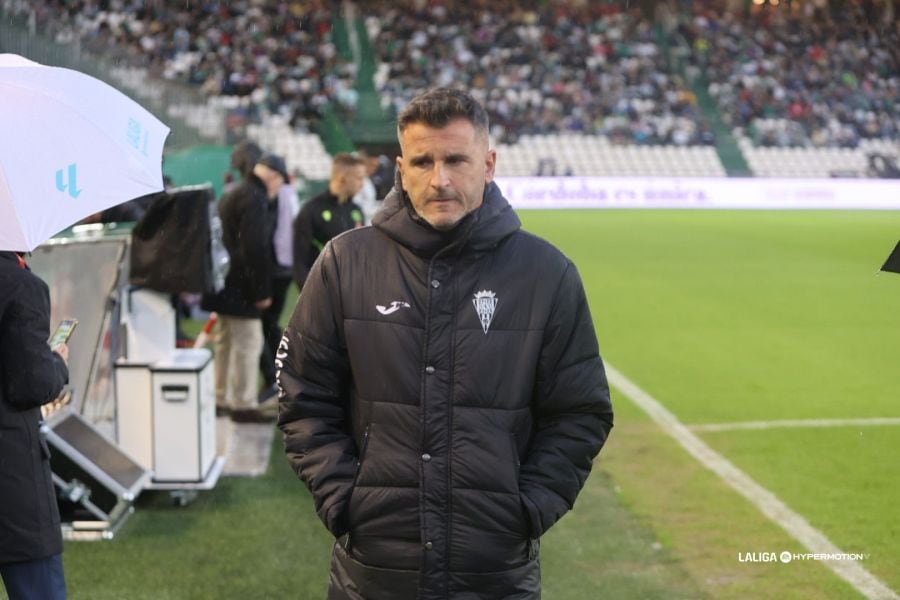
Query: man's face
[271, 178]
[350, 180]
[444, 170]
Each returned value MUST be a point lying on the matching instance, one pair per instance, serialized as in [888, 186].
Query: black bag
[171, 244]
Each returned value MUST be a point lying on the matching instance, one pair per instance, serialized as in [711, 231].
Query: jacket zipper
[515, 451]
[422, 399]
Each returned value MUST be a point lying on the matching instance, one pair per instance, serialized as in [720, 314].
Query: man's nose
[439, 177]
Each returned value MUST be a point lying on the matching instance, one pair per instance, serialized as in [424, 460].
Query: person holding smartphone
[31, 375]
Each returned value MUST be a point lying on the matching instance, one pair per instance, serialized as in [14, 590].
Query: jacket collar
[478, 231]
[13, 257]
[253, 182]
[332, 199]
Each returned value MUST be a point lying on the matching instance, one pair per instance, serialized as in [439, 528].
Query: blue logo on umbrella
[134, 133]
[72, 185]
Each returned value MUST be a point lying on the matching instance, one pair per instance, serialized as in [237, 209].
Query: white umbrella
[70, 146]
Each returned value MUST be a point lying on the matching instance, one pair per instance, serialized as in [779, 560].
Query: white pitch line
[791, 423]
[767, 502]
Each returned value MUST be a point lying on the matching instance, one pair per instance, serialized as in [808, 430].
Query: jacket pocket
[521, 582]
[359, 466]
[517, 463]
[523, 516]
[351, 578]
[362, 453]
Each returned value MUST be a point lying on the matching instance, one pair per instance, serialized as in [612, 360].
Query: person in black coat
[442, 391]
[238, 339]
[31, 374]
[282, 200]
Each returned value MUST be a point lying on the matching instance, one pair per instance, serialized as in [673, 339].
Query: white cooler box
[166, 414]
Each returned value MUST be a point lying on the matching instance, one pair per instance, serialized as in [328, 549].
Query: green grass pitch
[730, 316]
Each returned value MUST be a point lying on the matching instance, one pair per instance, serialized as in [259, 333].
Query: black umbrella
[892, 263]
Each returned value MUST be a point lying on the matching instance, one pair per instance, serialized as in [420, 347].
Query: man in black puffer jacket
[442, 393]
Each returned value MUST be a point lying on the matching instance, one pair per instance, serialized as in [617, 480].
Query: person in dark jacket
[442, 392]
[330, 213]
[380, 170]
[238, 340]
[282, 210]
[31, 375]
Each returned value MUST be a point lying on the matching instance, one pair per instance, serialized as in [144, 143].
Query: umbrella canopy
[71, 146]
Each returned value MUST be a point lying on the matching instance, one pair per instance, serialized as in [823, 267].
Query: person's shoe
[222, 410]
[267, 393]
[251, 415]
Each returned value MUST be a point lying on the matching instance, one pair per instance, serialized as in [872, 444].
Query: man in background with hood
[442, 392]
[238, 338]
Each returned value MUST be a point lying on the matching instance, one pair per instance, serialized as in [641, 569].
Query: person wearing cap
[238, 338]
[380, 170]
[328, 214]
[377, 183]
[282, 209]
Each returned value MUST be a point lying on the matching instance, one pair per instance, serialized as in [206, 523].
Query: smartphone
[63, 332]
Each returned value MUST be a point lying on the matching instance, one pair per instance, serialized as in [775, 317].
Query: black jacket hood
[478, 231]
[9, 282]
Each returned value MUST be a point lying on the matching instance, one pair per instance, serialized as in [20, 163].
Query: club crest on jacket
[485, 303]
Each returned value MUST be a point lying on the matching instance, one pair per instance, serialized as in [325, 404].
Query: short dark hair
[244, 157]
[439, 106]
[343, 161]
[347, 159]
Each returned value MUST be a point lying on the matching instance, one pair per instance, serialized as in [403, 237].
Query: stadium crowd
[281, 54]
[787, 77]
[801, 79]
[590, 68]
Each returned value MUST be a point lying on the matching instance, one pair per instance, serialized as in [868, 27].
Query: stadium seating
[595, 156]
[303, 152]
[775, 161]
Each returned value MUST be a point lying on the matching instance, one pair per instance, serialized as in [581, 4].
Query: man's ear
[490, 163]
[399, 161]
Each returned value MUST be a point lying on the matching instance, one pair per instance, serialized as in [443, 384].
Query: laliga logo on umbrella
[72, 185]
[133, 135]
